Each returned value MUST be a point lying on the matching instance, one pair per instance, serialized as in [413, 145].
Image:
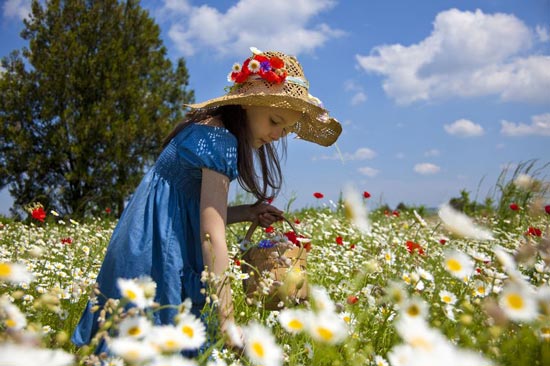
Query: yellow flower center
[10, 323]
[325, 334]
[388, 257]
[134, 331]
[481, 290]
[454, 265]
[131, 294]
[447, 299]
[413, 310]
[188, 331]
[515, 301]
[347, 319]
[5, 270]
[295, 324]
[132, 355]
[421, 343]
[258, 348]
[170, 344]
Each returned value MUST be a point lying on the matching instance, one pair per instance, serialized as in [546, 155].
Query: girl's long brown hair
[264, 186]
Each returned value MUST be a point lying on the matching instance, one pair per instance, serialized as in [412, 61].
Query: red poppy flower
[67, 240]
[260, 58]
[514, 207]
[39, 214]
[533, 231]
[366, 194]
[237, 262]
[307, 246]
[339, 240]
[547, 209]
[386, 212]
[276, 62]
[269, 229]
[352, 299]
[318, 195]
[297, 222]
[442, 241]
[292, 237]
[395, 213]
[412, 246]
[108, 210]
[352, 246]
[271, 77]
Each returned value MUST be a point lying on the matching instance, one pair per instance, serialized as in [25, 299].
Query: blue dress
[158, 234]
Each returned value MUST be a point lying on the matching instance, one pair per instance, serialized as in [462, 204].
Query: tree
[85, 107]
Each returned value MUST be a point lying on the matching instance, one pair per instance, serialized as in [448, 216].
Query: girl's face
[268, 124]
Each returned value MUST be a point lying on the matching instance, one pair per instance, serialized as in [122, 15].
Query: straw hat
[277, 80]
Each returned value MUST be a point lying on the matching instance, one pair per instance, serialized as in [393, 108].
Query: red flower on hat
[271, 69]
[514, 206]
[318, 195]
[39, 214]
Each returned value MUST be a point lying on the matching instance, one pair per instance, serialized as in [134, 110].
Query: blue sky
[434, 96]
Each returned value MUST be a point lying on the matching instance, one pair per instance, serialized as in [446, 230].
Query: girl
[174, 224]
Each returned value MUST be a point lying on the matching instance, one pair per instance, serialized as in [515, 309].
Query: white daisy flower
[543, 297]
[388, 257]
[193, 331]
[481, 289]
[14, 273]
[518, 302]
[113, 361]
[402, 355]
[417, 333]
[148, 286]
[236, 67]
[260, 346]
[380, 361]
[321, 299]
[425, 274]
[12, 316]
[131, 291]
[414, 308]
[448, 310]
[327, 328]
[355, 209]
[458, 264]
[167, 338]
[525, 182]
[18, 355]
[254, 66]
[293, 320]
[462, 225]
[135, 327]
[396, 293]
[419, 219]
[235, 334]
[447, 297]
[132, 350]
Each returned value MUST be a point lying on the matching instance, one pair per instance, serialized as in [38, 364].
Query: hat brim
[315, 126]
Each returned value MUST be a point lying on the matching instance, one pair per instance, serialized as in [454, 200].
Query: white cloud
[281, 25]
[17, 9]
[464, 128]
[363, 153]
[359, 98]
[540, 125]
[542, 33]
[431, 153]
[426, 168]
[464, 56]
[368, 171]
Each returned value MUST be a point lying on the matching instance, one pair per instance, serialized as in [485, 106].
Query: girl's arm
[213, 218]
[262, 213]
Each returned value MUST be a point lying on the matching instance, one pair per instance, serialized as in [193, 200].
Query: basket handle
[254, 225]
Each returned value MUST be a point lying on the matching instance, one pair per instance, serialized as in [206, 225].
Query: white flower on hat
[236, 67]
[255, 51]
[254, 66]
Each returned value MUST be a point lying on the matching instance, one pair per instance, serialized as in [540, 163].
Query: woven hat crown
[290, 92]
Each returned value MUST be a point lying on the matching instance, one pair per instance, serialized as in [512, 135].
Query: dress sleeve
[209, 147]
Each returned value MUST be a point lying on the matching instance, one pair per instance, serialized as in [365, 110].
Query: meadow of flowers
[386, 288]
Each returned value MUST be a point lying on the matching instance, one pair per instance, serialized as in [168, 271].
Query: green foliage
[84, 109]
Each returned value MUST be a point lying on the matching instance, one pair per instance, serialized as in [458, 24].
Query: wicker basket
[286, 265]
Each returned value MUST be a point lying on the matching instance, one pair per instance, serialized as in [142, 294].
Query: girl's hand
[265, 214]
